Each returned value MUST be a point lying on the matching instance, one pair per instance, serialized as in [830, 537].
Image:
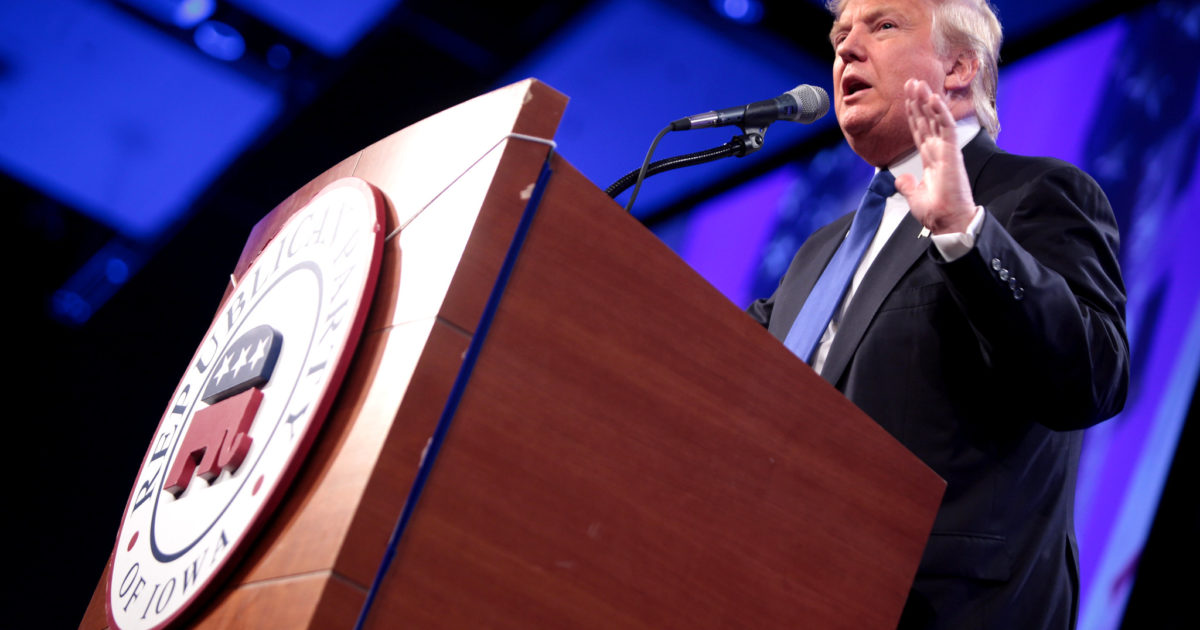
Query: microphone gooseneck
[802, 104]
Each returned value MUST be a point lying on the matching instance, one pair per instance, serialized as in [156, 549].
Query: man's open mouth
[853, 85]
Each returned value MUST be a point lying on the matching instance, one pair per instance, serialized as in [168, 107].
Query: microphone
[802, 104]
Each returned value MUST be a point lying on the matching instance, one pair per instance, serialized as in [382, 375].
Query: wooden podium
[630, 451]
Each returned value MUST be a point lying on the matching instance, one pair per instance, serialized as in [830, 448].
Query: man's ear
[961, 72]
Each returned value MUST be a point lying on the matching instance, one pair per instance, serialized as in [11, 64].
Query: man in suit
[983, 322]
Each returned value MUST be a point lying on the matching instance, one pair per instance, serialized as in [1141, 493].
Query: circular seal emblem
[248, 407]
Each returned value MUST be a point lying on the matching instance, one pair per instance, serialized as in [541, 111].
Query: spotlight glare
[220, 40]
[740, 11]
[192, 12]
[279, 56]
[116, 271]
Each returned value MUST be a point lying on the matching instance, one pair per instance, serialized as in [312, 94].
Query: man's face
[878, 45]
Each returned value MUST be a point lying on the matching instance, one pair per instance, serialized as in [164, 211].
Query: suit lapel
[975, 155]
[809, 267]
[900, 253]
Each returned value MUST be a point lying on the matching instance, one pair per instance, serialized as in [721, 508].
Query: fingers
[921, 124]
[928, 113]
[917, 124]
[923, 104]
[906, 184]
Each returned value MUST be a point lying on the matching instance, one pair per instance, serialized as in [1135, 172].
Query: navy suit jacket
[987, 368]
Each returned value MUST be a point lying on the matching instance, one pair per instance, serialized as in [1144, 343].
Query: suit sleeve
[760, 310]
[1043, 293]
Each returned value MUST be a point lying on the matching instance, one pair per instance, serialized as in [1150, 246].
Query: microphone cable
[641, 172]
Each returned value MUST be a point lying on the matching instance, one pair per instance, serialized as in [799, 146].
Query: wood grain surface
[634, 452]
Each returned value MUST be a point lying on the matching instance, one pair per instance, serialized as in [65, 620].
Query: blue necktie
[827, 294]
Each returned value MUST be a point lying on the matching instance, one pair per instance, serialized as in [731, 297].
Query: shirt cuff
[956, 244]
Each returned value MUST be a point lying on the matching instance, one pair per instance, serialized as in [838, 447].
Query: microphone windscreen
[812, 101]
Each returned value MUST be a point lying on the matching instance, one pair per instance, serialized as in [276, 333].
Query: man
[983, 326]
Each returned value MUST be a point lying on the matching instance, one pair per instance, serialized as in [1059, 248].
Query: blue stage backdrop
[1119, 100]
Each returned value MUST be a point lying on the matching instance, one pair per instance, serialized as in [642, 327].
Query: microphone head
[812, 103]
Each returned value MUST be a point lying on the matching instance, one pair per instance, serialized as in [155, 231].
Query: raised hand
[942, 200]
